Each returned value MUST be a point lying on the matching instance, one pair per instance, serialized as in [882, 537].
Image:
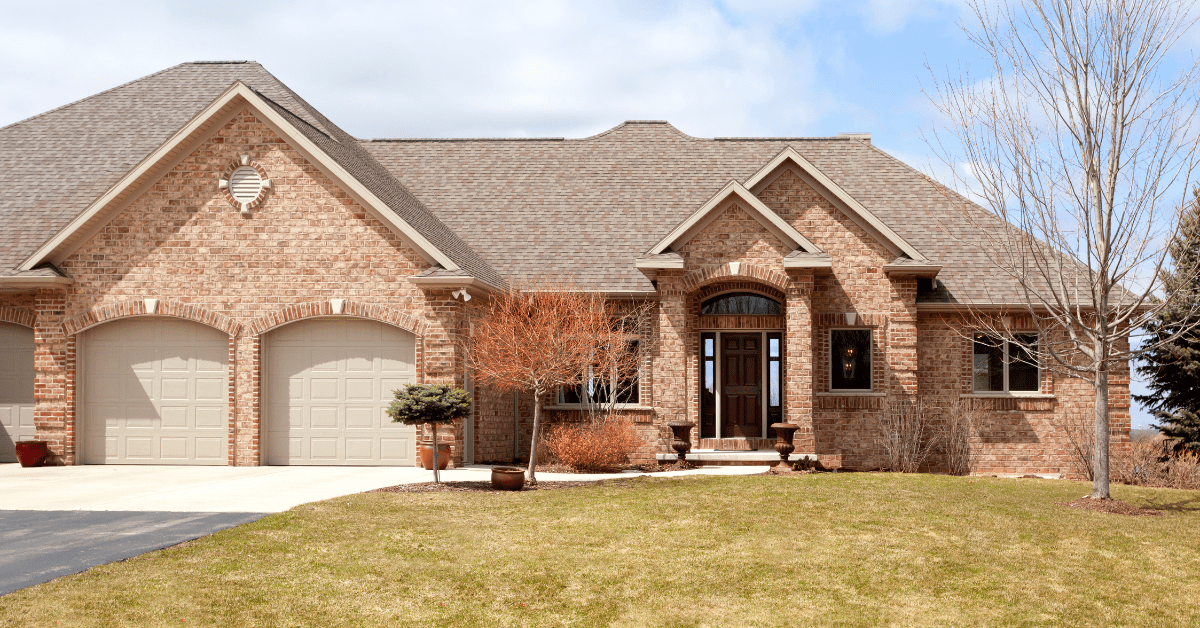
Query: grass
[828, 549]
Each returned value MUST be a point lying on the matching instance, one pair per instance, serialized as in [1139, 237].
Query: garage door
[329, 382]
[155, 391]
[16, 388]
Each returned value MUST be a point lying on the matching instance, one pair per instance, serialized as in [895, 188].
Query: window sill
[851, 393]
[578, 406]
[1006, 395]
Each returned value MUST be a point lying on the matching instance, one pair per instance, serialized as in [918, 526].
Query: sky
[531, 69]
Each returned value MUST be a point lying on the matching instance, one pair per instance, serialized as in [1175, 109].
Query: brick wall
[182, 242]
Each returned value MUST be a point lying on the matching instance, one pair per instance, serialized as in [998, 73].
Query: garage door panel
[329, 391]
[16, 389]
[147, 398]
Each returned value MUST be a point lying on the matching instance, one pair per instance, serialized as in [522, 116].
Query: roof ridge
[96, 95]
[626, 123]
[465, 139]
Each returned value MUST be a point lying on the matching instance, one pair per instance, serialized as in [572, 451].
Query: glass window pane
[850, 354]
[708, 347]
[742, 304]
[773, 376]
[774, 347]
[987, 365]
[1022, 365]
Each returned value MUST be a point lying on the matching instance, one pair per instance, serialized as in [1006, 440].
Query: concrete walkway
[134, 488]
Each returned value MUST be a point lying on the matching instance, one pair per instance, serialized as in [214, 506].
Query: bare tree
[1076, 145]
[535, 338]
[611, 376]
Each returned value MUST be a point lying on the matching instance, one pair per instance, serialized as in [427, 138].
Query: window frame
[1007, 341]
[870, 361]
[585, 378]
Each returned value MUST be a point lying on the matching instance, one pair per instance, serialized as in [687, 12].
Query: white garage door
[155, 391]
[329, 382]
[16, 388]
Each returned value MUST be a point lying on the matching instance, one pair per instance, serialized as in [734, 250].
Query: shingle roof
[590, 207]
[53, 165]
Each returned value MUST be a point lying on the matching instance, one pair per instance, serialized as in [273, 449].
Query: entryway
[741, 386]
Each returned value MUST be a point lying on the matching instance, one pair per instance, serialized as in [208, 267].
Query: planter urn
[681, 438]
[427, 455]
[783, 440]
[32, 452]
[508, 478]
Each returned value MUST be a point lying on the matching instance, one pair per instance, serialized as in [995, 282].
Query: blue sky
[446, 69]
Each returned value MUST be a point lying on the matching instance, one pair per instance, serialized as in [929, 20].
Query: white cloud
[889, 16]
[442, 69]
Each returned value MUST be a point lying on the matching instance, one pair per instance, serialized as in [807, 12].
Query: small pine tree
[433, 404]
[1173, 368]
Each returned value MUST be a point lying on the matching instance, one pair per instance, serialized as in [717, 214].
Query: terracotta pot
[32, 452]
[508, 478]
[427, 456]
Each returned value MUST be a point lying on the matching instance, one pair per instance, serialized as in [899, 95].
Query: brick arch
[16, 316]
[757, 272]
[313, 309]
[129, 309]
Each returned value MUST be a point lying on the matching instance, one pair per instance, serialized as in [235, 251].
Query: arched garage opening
[328, 383]
[154, 390]
[16, 388]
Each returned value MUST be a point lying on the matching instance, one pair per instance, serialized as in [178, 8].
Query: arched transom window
[741, 304]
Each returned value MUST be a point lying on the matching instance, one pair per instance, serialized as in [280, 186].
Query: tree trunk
[437, 478]
[1100, 447]
[530, 478]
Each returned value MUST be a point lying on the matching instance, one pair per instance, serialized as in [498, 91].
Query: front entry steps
[733, 458]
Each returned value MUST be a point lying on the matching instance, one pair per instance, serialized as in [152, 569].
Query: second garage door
[329, 382]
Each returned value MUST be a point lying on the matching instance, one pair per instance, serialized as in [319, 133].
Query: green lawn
[829, 549]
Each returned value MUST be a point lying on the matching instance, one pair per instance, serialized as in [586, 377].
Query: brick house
[199, 268]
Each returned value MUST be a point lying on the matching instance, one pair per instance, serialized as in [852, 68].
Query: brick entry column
[902, 337]
[671, 395]
[798, 338]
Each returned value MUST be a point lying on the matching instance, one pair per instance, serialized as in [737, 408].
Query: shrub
[1149, 462]
[595, 446]
[961, 417]
[906, 433]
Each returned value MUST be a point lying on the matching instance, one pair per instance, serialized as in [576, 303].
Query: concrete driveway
[56, 521]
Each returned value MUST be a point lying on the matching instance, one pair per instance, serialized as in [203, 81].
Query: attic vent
[244, 184]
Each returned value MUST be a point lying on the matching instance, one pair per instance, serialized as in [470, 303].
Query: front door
[741, 385]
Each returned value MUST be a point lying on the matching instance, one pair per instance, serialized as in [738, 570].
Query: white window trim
[1006, 361]
[870, 365]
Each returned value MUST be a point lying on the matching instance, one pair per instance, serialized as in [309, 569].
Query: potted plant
[433, 404]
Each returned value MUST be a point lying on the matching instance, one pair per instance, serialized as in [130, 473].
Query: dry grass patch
[847, 549]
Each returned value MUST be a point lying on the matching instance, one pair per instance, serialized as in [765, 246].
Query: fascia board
[842, 195]
[35, 282]
[930, 270]
[707, 213]
[664, 264]
[452, 282]
[297, 140]
[807, 263]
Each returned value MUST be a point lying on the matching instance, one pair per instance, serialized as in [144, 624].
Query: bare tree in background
[1080, 147]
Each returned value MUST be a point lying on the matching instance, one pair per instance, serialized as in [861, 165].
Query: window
[774, 378]
[741, 304]
[599, 387]
[708, 387]
[850, 356]
[1000, 365]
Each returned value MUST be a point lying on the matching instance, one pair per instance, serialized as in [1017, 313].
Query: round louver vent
[245, 184]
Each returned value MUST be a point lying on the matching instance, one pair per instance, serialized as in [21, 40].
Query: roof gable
[820, 182]
[236, 98]
[710, 210]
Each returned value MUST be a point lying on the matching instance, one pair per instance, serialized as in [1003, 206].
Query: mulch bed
[486, 487]
[1110, 506]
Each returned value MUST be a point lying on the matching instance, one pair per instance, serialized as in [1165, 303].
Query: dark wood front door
[741, 385]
